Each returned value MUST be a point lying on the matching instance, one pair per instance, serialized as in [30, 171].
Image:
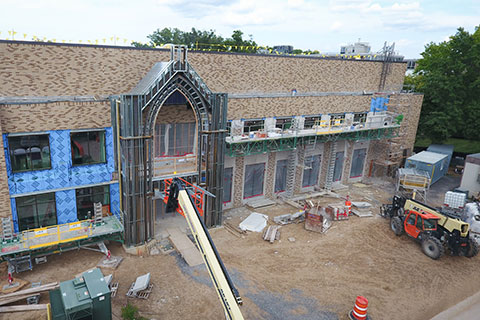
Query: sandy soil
[317, 276]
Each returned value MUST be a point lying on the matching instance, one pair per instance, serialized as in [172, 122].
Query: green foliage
[130, 312]
[449, 76]
[200, 40]
[460, 145]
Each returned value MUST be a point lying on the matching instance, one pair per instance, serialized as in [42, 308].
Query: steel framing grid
[245, 148]
[138, 113]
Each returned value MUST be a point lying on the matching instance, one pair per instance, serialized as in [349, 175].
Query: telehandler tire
[432, 247]
[396, 225]
[472, 248]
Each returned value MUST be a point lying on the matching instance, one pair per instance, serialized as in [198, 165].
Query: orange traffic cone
[348, 204]
[359, 311]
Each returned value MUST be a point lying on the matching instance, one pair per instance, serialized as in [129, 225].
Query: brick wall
[5, 210]
[33, 69]
[270, 175]
[54, 116]
[176, 114]
[238, 181]
[288, 106]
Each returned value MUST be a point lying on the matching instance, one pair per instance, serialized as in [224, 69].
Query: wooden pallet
[114, 289]
[144, 294]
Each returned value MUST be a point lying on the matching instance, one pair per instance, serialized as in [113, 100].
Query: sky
[305, 24]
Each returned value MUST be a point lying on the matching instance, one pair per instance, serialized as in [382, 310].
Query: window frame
[91, 195]
[257, 124]
[36, 205]
[310, 121]
[72, 133]
[13, 160]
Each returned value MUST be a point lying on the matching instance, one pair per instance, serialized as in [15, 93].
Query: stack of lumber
[22, 295]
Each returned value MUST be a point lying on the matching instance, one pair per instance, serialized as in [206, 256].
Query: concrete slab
[185, 247]
[141, 283]
[362, 213]
[111, 263]
[260, 203]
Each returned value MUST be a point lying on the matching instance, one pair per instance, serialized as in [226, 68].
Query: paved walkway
[466, 310]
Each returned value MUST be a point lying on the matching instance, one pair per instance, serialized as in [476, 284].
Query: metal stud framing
[138, 114]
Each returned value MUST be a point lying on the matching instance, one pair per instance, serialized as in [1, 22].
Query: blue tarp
[379, 104]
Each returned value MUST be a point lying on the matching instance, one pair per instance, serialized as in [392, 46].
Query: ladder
[7, 229]
[331, 166]
[97, 211]
[291, 165]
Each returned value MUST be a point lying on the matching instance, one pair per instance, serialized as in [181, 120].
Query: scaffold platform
[60, 238]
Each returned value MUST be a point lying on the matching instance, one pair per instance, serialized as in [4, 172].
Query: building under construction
[86, 124]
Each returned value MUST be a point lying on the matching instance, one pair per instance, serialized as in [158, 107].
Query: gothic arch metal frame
[138, 113]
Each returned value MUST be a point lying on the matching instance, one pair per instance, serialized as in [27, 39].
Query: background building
[348, 119]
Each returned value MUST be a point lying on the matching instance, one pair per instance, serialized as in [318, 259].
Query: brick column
[347, 161]
[327, 146]
[238, 181]
[270, 175]
[299, 169]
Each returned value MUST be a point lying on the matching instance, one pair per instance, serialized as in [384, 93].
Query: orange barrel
[359, 311]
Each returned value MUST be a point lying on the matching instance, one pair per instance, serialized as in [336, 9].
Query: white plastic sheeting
[255, 222]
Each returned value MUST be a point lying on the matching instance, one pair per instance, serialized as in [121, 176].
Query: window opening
[310, 122]
[87, 197]
[252, 126]
[311, 170]
[36, 211]
[29, 153]
[254, 176]
[227, 185]
[358, 160]
[88, 147]
[281, 176]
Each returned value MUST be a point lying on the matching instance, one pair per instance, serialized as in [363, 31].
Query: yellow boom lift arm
[178, 195]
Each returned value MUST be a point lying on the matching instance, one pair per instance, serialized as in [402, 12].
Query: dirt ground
[317, 276]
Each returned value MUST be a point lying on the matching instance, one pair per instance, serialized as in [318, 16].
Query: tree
[192, 39]
[237, 44]
[200, 40]
[449, 76]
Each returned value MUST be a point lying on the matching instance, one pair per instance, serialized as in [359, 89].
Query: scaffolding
[137, 113]
[259, 145]
[413, 182]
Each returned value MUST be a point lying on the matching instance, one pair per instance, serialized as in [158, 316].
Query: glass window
[430, 224]
[254, 176]
[411, 219]
[310, 122]
[311, 170]
[252, 125]
[419, 223]
[360, 117]
[174, 139]
[283, 123]
[281, 176]
[227, 185]
[358, 160]
[88, 147]
[87, 197]
[30, 152]
[36, 211]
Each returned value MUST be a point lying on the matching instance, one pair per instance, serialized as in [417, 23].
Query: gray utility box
[85, 297]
